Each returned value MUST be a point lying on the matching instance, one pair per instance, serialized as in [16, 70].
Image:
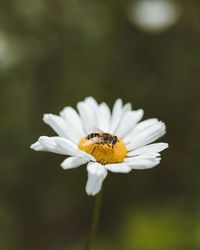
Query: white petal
[129, 121]
[91, 102]
[60, 145]
[100, 114]
[61, 127]
[139, 128]
[73, 162]
[155, 147]
[147, 136]
[118, 168]
[143, 163]
[57, 123]
[93, 105]
[46, 143]
[72, 149]
[117, 114]
[104, 117]
[146, 156]
[37, 147]
[144, 125]
[50, 143]
[96, 175]
[88, 115]
[72, 118]
[127, 107]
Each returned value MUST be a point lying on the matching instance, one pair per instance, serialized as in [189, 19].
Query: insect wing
[92, 141]
[94, 129]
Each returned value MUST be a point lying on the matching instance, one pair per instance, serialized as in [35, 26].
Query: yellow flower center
[104, 153]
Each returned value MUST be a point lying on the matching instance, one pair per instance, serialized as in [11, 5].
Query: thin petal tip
[90, 193]
[46, 117]
[165, 145]
[35, 146]
[63, 166]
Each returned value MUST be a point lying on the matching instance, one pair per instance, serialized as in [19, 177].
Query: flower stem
[95, 221]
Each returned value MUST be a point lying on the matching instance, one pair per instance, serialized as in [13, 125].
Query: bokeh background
[55, 53]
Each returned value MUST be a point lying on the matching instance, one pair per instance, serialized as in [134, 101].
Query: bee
[102, 138]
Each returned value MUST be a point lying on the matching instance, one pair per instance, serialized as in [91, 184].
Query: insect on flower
[101, 138]
[120, 143]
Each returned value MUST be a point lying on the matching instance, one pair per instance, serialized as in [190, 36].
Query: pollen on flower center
[104, 153]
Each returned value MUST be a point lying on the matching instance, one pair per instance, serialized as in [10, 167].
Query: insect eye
[114, 139]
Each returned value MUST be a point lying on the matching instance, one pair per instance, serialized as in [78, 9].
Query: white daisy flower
[124, 145]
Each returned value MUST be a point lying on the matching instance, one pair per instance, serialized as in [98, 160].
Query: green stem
[95, 221]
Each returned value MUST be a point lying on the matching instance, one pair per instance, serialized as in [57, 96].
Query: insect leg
[93, 150]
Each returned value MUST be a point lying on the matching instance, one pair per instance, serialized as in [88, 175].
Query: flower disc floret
[104, 153]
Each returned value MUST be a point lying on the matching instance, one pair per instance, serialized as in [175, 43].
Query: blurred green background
[55, 53]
